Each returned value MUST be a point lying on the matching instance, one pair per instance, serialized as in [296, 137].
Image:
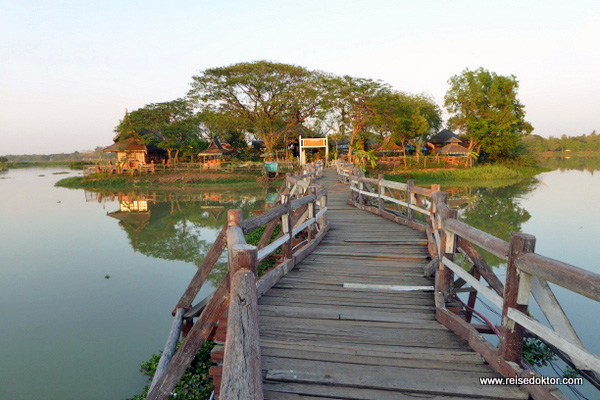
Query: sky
[70, 69]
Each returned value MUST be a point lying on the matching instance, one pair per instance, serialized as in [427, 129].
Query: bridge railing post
[517, 290]
[380, 191]
[286, 227]
[242, 372]
[361, 198]
[410, 200]
[447, 242]
[311, 208]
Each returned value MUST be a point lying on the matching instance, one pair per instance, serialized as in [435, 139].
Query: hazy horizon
[70, 69]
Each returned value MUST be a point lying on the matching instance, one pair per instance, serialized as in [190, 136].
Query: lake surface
[87, 283]
[562, 209]
[68, 332]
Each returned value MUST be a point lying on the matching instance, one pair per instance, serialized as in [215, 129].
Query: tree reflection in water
[495, 210]
[179, 227]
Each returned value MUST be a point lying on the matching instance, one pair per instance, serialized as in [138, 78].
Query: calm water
[67, 332]
[562, 209]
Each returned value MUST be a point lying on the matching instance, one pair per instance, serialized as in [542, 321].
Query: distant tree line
[590, 142]
[91, 155]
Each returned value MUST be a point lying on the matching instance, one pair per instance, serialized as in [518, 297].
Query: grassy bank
[485, 173]
[162, 181]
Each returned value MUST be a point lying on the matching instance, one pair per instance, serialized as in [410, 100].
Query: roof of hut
[134, 143]
[454, 140]
[129, 144]
[388, 145]
[443, 136]
[453, 148]
[132, 220]
[215, 148]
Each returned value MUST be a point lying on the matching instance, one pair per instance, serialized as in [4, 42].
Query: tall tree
[172, 126]
[484, 106]
[406, 117]
[272, 97]
[356, 100]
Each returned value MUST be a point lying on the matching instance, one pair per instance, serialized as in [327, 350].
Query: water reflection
[178, 226]
[579, 162]
[495, 210]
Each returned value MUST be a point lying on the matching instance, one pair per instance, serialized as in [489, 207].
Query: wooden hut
[388, 147]
[214, 153]
[442, 138]
[133, 151]
[453, 148]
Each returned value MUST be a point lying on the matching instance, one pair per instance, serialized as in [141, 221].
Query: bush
[195, 384]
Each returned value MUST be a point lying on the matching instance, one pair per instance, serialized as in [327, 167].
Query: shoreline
[183, 180]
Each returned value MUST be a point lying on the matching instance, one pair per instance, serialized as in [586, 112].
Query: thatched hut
[442, 138]
[214, 153]
[453, 148]
[134, 151]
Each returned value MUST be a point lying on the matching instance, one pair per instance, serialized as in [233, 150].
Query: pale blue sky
[69, 69]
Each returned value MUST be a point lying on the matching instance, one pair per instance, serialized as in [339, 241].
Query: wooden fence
[527, 273]
[302, 215]
[225, 166]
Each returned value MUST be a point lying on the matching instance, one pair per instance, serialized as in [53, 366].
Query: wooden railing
[527, 273]
[302, 216]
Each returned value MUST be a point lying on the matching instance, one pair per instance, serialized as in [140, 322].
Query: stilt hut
[133, 151]
[214, 154]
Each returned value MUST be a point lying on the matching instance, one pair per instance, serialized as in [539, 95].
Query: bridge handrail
[528, 274]
[238, 291]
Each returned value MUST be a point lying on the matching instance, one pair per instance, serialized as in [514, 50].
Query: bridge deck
[321, 340]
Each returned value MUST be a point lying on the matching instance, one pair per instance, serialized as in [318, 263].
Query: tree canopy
[172, 124]
[485, 108]
[271, 97]
[356, 101]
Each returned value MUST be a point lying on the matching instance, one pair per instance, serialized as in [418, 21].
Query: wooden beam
[194, 341]
[242, 373]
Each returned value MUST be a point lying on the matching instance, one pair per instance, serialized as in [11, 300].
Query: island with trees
[234, 118]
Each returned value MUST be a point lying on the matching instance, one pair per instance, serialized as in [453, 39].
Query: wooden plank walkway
[320, 340]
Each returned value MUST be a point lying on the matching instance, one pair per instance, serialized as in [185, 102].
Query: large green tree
[485, 108]
[356, 101]
[172, 126]
[272, 97]
[406, 117]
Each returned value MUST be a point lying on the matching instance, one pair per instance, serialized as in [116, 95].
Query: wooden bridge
[362, 306]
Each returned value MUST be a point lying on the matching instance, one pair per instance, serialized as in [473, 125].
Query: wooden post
[410, 200]
[286, 227]
[311, 209]
[472, 296]
[517, 291]
[361, 199]
[448, 246]
[242, 373]
[380, 191]
[234, 217]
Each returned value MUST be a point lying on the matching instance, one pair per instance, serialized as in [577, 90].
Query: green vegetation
[28, 160]
[272, 98]
[195, 384]
[484, 107]
[169, 180]
[483, 173]
[253, 238]
[566, 143]
[171, 125]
